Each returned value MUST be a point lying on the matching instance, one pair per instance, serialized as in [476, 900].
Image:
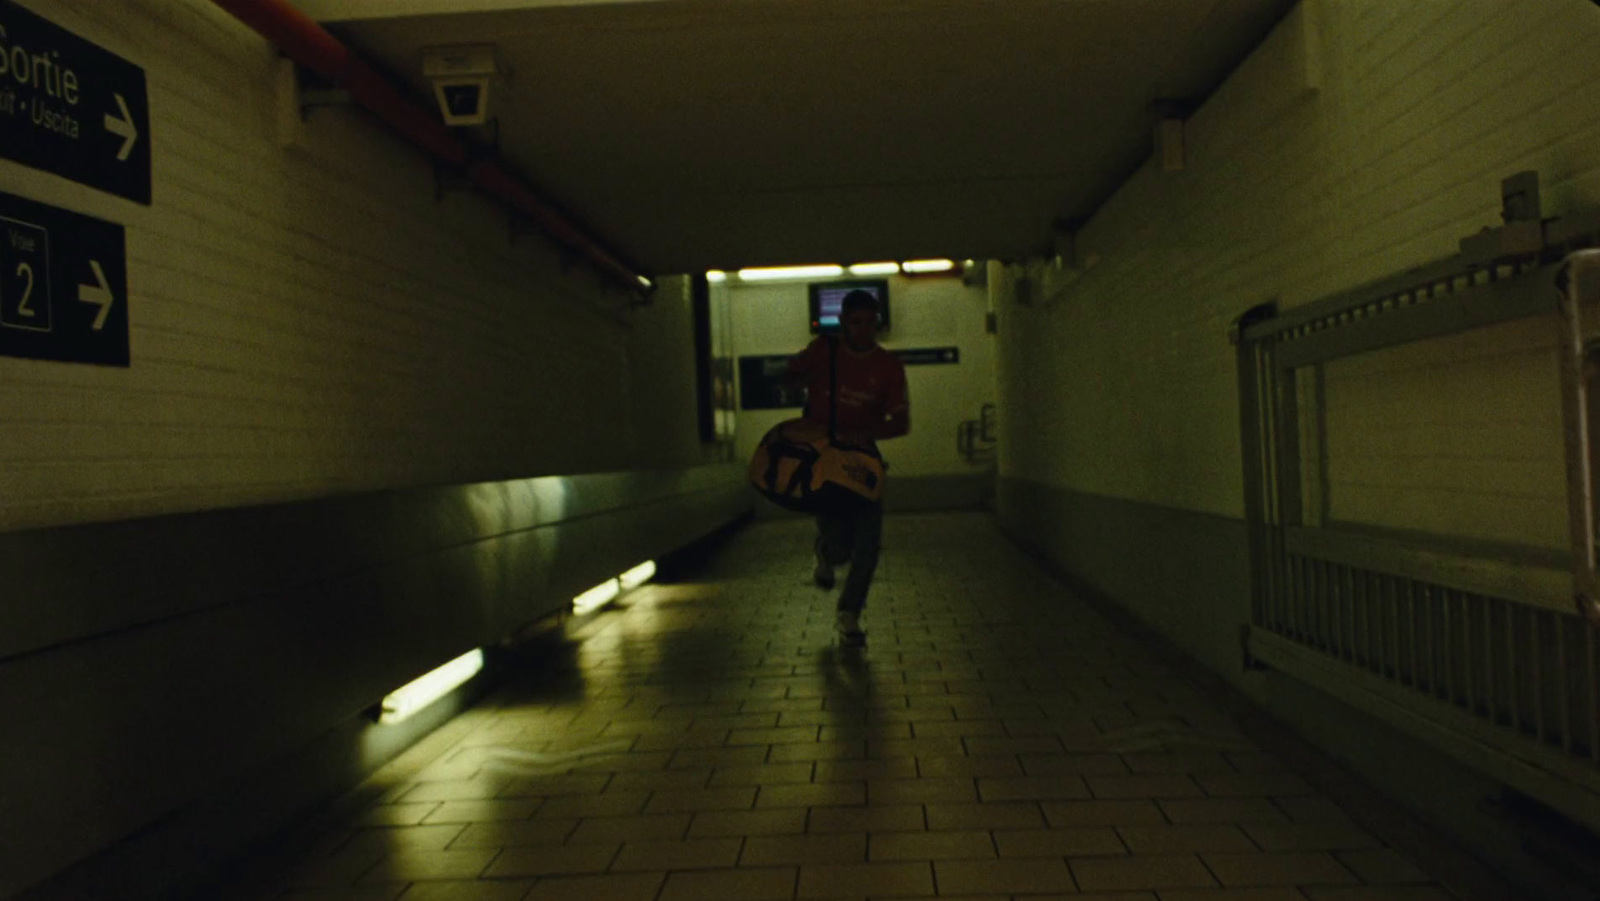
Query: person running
[873, 405]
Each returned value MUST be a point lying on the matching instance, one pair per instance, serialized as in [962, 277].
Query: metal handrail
[1580, 365]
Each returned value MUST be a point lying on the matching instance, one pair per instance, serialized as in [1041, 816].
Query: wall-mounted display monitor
[827, 298]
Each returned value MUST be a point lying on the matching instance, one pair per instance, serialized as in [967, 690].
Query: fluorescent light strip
[596, 597]
[874, 268]
[637, 576]
[419, 693]
[774, 273]
[928, 265]
[716, 276]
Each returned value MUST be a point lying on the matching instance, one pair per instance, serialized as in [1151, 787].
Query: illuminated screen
[827, 298]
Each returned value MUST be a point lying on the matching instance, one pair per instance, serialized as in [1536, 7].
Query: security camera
[461, 79]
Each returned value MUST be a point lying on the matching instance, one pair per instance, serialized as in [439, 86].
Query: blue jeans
[854, 537]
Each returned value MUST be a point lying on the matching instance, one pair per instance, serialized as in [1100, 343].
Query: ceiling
[717, 134]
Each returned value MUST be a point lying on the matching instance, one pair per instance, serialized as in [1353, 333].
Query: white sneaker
[849, 626]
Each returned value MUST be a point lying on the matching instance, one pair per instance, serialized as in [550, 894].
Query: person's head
[858, 319]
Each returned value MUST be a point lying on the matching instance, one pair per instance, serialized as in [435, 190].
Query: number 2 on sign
[26, 271]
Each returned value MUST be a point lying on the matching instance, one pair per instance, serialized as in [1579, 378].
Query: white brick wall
[1122, 383]
[664, 391]
[303, 322]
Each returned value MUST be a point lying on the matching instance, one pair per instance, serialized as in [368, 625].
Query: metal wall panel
[149, 663]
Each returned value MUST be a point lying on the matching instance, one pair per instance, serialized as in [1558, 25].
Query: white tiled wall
[1363, 138]
[664, 389]
[306, 321]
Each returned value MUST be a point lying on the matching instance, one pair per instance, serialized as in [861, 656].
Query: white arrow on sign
[97, 294]
[122, 128]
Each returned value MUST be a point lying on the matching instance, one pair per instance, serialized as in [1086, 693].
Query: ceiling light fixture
[874, 268]
[921, 266]
[775, 273]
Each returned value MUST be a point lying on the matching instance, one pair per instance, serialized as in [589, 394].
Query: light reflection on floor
[707, 739]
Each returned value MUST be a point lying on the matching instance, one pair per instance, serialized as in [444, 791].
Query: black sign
[761, 385]
[63, 285]
[929, 355]
[72, 108]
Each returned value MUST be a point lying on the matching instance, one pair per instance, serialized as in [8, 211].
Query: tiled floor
[707, 740]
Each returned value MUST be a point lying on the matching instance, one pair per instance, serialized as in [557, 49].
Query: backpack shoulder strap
[833, 389]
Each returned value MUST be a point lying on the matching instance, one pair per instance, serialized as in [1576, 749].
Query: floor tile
[1073, 764]
[997, 740]
[1382, 866]
[767, 884]
[826, 794]
[1017, 877]
[1309, 837]
[1222, 810]
[470, 890]
[889, 846]
[625, 829]
[515, 833]
[899, 818]
[922, 791]
[605, 804]
[1252, 785]
[609, 887]
[764, 774]
[865, 770]
[1233, 894]
[1379, 893]
[1278, 868]
[408, 838]
[693, 800]
[1033, 788]
[689, 854]
[777, 850]
[683, 779]
[1103, 813]
[1143, 786]
[934, 767]
[875, 880]
[344, 893]
[1140, 872]
[1182, 839]
[477, 811]
[748, 822]
[553, 860]
[1013, 815]
[1060, 842]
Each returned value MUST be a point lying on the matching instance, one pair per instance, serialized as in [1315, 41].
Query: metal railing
[1475, 646]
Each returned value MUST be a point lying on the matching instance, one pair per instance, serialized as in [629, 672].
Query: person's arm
[798, 372]
[897, 424]
[893, 426]
[897, 406]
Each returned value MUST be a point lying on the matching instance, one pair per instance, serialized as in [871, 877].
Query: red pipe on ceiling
[301, 39]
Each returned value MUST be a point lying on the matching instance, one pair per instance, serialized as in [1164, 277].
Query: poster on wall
[761, 384]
